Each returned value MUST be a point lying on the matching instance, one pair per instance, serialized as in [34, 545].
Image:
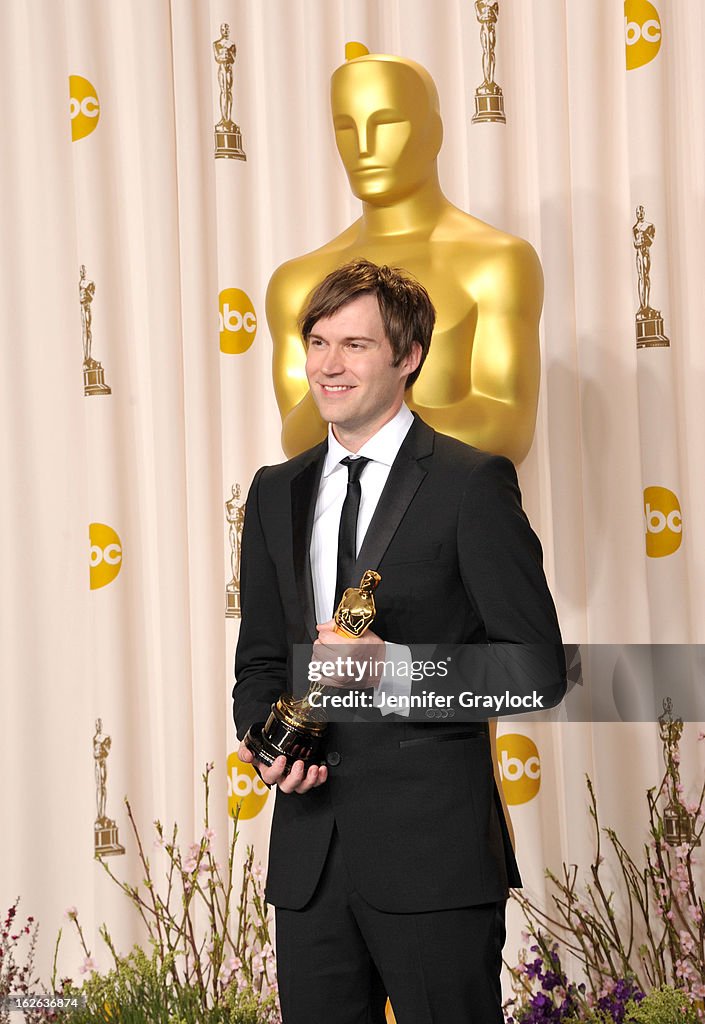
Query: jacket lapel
[403, 481]
[304, 491]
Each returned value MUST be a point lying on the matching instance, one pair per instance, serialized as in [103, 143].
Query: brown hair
[404, 305]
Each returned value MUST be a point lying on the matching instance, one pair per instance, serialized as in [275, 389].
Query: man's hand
[297, 781]
[365, 651]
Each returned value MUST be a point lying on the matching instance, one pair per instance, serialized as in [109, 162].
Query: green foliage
[141, 990]
[211, 960]
[665, 1005]
[648, 927]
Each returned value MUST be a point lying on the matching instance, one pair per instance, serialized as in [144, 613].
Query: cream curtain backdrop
[162, 229]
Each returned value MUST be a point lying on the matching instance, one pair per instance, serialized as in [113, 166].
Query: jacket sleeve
[261, 655]
[500, 562]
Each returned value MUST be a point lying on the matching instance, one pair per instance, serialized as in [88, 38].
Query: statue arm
[302, 427]
[498, 413]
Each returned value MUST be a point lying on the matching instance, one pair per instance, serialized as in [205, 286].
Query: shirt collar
[382, 447]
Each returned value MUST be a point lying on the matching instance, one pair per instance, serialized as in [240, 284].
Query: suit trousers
[339, 957]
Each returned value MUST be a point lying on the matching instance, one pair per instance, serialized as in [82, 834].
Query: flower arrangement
[16, 962]
[210, 958]
[645, 963]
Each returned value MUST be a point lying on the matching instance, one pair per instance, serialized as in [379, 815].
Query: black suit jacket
[414, 802]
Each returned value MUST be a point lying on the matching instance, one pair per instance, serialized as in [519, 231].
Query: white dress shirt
[381, 450]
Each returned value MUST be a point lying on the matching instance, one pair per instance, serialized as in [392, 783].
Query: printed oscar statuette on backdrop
[93, 372]
[228, 137]
[295, 728]
[489, 99]
[106, 840]
[235, 515]
[650, 332]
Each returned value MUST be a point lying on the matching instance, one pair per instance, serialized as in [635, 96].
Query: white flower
[71, 913]
[88, 965]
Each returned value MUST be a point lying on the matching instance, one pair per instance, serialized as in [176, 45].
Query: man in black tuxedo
[389, 864]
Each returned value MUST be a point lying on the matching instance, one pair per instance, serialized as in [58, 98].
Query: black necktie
[347, 534]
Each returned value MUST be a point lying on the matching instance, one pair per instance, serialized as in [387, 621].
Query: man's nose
[333, 361]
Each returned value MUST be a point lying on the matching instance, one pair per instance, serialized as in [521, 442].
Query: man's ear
[412, 361]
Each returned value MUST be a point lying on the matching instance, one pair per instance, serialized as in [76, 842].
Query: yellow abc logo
[238, 321]
[105, 554]
[244, 788]
[84, 107]
[663, 524]
[519, 767]
[354, 49]
[642, 32]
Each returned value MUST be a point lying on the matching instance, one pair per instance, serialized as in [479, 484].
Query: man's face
[384, 129]
[350, 372]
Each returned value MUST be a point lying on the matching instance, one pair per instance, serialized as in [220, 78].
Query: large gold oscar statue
[480, 380]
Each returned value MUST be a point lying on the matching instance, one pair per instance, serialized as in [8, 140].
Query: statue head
[388, 127]
[640, 213]
[225, 30]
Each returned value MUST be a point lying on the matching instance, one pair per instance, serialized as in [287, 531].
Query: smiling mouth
[336, 389]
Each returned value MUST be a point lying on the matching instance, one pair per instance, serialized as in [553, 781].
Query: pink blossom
[88, 965]
[698, 990]
[71, 913]
[701, 735]
[190, 865]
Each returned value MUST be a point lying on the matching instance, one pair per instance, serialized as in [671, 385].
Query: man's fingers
[245, 754]
[273, 776]
[300, 781]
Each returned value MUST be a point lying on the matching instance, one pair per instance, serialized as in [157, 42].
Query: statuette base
[489, 106]
[292, 731]
[228, 143]
[232, 604]
[106, 839]
[650, 331]
[94, 380]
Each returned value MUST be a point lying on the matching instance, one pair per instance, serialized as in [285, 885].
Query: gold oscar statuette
[228, 137]
[649, 322]
[106, 840]
[295, 728]
[489, 100]
[93, 372]
[235, 514]
[678, 823]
